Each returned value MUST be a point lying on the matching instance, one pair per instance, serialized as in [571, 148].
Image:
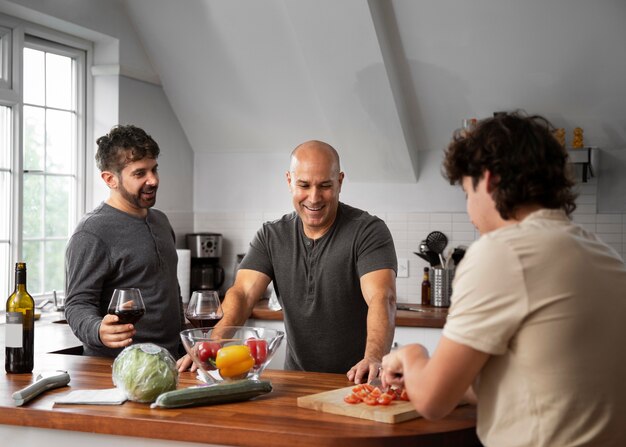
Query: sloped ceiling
[264, 76]
[382, 80]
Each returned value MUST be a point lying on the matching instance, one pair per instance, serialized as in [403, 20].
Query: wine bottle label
[14, 329]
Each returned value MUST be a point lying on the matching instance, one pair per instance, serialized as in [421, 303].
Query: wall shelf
[586, 159]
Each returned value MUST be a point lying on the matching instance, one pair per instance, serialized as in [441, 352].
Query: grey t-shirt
[111, 249]
[318, 284]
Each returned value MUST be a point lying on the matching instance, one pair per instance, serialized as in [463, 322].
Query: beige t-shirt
[547, 300]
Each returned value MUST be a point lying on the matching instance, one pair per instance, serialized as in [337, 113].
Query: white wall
[255, 182]
[146, 106]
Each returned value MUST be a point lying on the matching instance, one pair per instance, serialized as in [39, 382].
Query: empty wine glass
[127, 304]
[204, 309]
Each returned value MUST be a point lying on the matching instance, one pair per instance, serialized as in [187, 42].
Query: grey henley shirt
[317, 283]
[111, 249]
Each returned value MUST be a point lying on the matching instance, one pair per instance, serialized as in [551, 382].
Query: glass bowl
[248, 351]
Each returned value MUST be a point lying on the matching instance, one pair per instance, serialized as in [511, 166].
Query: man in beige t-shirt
[537, 316]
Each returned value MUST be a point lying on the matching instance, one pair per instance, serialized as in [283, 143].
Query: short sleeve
[258, 256]
[376, 249]
[489, 298]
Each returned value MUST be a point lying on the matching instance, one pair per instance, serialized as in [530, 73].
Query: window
[5, 195]
[41, 164]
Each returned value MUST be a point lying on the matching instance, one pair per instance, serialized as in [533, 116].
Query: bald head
[315, 151]
[315, 180]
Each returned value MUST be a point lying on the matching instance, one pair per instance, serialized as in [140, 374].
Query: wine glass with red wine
[128, 305]
[204, 309]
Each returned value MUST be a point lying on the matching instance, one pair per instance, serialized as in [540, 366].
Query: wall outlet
[403, 268]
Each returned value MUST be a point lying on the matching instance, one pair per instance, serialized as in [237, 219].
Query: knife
[415, 309]
[43, 382]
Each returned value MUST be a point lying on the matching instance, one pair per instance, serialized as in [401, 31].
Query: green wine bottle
[20, 326]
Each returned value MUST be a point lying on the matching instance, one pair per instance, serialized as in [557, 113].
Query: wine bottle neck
[20, 280]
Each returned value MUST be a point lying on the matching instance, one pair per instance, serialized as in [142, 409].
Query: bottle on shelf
[426, 288]
[20, 326]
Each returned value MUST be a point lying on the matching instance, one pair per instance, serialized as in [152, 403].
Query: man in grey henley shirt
[120, 244]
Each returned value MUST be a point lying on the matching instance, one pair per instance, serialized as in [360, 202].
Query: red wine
[131, 316]
[204, 321]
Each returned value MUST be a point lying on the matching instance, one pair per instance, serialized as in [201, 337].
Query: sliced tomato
[391, 394]
[404, 395]
[368, 387]
[352, 399]
[370, 400]
[376, 392]
[357, 388]
[384, 399]
[362, 393]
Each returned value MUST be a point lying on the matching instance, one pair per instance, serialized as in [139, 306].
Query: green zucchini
[212, 395]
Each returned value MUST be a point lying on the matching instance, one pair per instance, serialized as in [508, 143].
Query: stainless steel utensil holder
[441, 281]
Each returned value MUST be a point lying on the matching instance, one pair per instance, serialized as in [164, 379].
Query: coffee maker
[206, 271]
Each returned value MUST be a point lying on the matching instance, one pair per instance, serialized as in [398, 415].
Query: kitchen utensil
[43, 382]
[458, 254]
[59, 301]
[436, 241]
[332, 402]
[423, 247]
[429, 257]
[441, 279]
[376, 380]
[416, 309]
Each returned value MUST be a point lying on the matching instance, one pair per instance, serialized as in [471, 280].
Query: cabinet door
[429, 337]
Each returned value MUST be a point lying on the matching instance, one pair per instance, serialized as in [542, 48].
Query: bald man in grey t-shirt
[334, 271]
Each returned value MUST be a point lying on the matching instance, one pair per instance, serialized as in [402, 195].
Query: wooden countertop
[425, 316]
[273, 419]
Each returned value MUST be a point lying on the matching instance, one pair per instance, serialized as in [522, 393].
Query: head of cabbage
[143, 371]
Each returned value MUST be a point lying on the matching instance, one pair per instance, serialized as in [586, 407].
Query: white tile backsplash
[407, 229]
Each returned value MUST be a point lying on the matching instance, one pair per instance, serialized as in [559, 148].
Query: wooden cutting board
[332, 402]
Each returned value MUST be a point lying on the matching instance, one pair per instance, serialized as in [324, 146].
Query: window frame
[25, 34]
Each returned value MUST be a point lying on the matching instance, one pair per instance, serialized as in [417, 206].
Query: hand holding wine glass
[204, 308]
[127, 304]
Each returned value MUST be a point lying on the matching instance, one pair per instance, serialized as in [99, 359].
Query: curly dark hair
[528, 163]
[122, 145]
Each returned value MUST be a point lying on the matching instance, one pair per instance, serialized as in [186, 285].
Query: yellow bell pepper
[234, 361]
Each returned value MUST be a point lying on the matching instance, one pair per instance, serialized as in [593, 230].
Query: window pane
[5, 58]
[58, 81]
[5, 138]
[34, 134]
[5, 199]
[33, 196]
[55, 276]
[59, 150]
[5, 273]
[32, 256]
[57, 206]
[34, 77]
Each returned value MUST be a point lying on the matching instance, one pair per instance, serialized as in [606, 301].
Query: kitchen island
[270, 420]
